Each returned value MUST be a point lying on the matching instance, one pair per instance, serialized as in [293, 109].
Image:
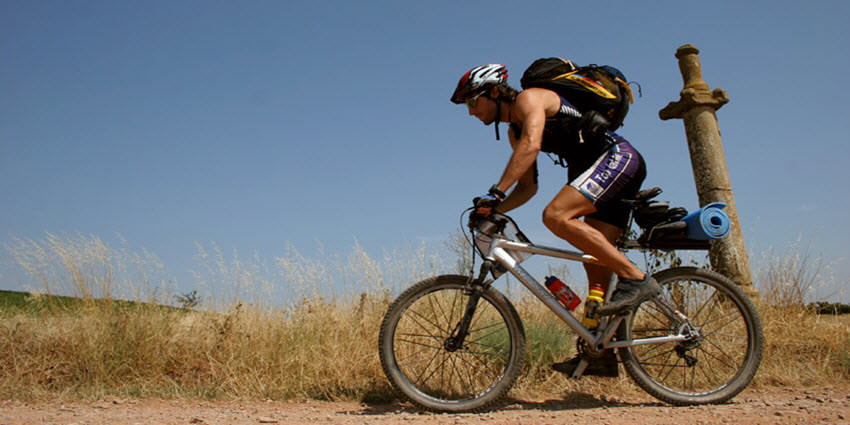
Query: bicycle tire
[472, 378]
[724, 362]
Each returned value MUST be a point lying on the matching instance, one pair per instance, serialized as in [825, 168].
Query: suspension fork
[474, 288]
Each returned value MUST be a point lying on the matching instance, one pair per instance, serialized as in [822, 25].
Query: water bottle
[563, 293]
[594, 301]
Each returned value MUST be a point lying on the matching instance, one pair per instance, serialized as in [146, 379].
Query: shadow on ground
[570, 401]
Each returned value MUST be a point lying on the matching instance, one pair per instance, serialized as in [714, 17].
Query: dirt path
[773, 406]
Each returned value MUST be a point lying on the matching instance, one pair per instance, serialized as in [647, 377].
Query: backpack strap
[498, 114]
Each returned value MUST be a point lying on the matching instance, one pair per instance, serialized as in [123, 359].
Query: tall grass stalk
[791, 278]
[86, 267]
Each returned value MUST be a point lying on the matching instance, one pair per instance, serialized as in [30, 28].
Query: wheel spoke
[487, 367]
[468, 369]
[420, 343]
[729, 322]
[497, 348]
[471, 330]
[672, 367]
[415, 353]
[699, 310]
[664, 318]
[665, 365]
[425, 369]
[731, 361]
[487, 335]
[423, 327]
[703, 369]
[411, 334]
[435, 309]
[459, 372]
[657, 355]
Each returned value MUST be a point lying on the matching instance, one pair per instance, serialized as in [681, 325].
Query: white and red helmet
[479, 79]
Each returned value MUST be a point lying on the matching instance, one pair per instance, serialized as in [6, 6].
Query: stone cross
[696, 107]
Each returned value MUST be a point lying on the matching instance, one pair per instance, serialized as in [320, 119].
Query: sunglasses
[472, 101]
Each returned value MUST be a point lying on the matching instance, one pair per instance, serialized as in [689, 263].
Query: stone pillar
[697, 106]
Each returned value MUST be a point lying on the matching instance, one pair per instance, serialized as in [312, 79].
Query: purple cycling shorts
[616, 174]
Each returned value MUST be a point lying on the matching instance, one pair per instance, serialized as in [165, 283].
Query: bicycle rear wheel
[710, 368]
[420, 360]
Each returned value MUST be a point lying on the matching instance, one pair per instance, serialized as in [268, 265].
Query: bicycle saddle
[647, 194]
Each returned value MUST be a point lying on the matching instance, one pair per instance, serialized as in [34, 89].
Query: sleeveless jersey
[561, 137]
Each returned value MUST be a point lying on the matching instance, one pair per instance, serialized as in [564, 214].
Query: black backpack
[598, 88]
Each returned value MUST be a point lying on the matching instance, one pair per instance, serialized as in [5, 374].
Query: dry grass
[320, 346]
[316, 350]
[801, 347]
[804, 349]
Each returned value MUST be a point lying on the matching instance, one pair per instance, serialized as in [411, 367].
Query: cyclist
[602, 169]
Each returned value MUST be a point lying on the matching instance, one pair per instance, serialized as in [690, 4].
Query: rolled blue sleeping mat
[708, 222]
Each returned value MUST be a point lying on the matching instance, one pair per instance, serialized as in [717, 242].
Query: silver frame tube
[543, 250]
[504, 258]
[500, 251]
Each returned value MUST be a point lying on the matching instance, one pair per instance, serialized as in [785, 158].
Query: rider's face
[484, 109]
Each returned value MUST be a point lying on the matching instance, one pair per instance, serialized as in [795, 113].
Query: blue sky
[254, 124]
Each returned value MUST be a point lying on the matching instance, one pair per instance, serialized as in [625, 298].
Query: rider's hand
[484, 204]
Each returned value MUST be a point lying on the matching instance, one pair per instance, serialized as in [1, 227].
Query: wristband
[494, 190]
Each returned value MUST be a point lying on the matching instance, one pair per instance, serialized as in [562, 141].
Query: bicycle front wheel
[421, 359]
[713, 366]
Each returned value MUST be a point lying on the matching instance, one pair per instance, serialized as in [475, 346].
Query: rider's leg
[555, 218]
[596, 274]
[562, 217]
[606, 363]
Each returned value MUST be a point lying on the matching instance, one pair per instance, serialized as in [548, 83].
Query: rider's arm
[526, 186]
[530, 109]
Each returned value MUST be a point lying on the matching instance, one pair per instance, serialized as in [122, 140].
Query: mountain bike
[455, 343]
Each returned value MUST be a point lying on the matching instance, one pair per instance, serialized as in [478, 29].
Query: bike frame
[503, 252]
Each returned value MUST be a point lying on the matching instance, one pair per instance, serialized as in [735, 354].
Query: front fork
[473, 288]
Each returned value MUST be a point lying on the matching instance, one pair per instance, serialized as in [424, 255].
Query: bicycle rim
[433, 374]
[711, 368]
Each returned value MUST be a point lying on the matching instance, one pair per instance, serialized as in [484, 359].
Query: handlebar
[489, 224]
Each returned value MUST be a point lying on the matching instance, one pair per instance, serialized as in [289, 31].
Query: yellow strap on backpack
[628, 89]
[589, 84]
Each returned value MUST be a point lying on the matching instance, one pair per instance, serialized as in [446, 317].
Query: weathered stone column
[697, 106]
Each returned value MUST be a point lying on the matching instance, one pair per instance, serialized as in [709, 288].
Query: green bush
[823, 307]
